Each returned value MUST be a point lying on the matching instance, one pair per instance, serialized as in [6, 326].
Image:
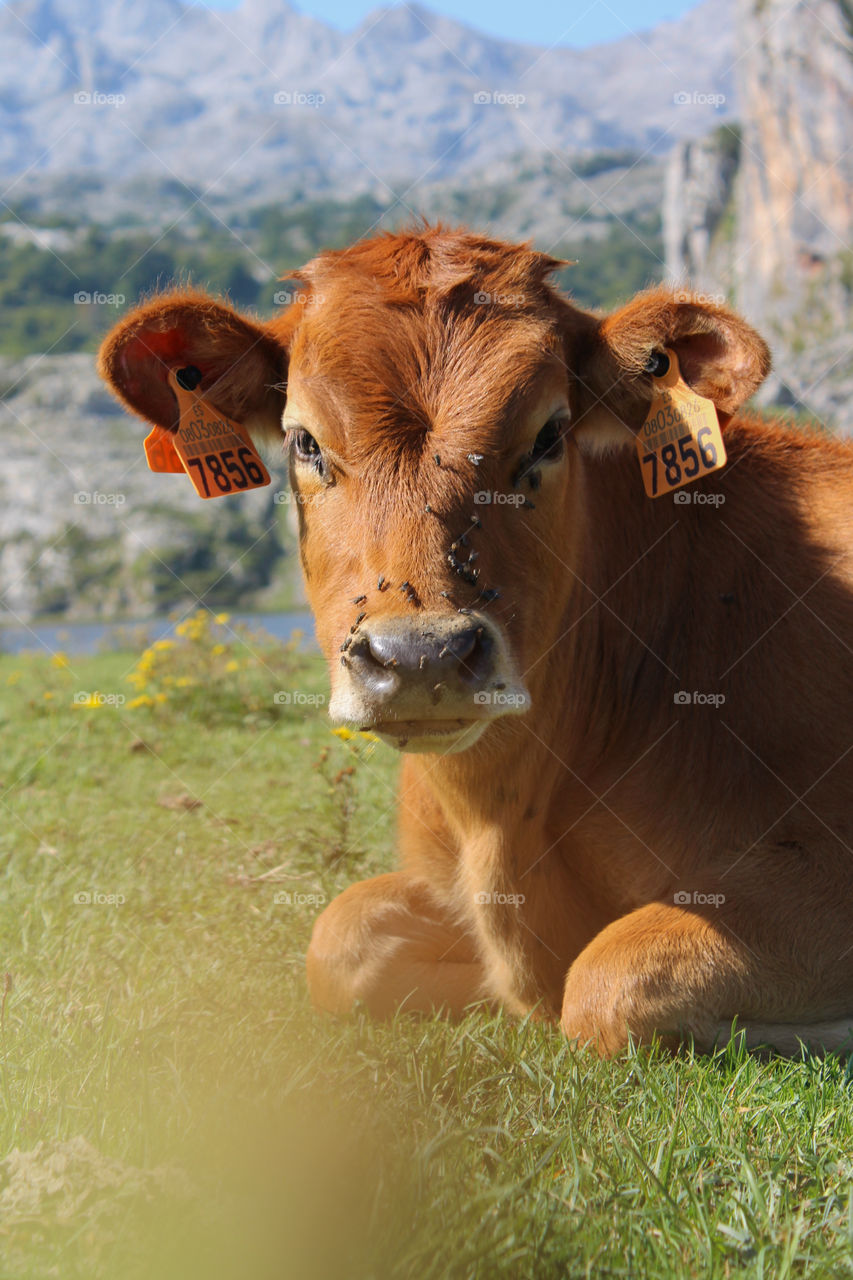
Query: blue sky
[578, 23]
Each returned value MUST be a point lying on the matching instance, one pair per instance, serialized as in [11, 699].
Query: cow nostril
[475, 654]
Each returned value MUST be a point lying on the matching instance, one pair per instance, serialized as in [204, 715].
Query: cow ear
[243, 366]
[720, 356]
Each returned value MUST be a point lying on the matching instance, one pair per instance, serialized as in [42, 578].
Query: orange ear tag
[160, 452]
[680, 440]
[215, 452]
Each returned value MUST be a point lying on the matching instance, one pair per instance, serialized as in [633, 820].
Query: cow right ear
[720, 356]
[243, 366]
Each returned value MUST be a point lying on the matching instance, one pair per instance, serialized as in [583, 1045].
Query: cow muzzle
[429, 683]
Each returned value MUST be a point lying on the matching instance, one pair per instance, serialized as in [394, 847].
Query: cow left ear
[720, 356]
[241, 362]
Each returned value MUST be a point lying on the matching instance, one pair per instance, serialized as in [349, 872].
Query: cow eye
[307, 448]
[549, 443]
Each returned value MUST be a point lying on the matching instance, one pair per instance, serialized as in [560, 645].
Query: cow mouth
[441, 736]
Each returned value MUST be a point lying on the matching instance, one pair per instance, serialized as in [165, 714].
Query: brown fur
[607, 799]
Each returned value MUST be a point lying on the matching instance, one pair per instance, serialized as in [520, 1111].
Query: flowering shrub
[217, 670]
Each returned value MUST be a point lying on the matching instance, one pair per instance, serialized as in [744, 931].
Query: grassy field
[172, 1107]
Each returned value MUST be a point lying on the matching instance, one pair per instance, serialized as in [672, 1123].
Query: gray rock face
[87, 530]
[774, 231]
[262, 100]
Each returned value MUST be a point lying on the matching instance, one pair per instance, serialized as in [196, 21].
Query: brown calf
[628, 792]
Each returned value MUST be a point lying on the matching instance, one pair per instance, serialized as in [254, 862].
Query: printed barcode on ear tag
[680, 440]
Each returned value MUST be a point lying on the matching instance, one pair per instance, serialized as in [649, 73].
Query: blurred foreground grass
[171, 1107]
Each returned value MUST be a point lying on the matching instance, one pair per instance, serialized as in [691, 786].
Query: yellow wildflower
[217, 650]
[232, 665]
[343, 733]
[49, 695]
[59, 660]
[222, 618]
[164, 644]
[14, 677]
[142, 701]
[160, 697]
[183, 681]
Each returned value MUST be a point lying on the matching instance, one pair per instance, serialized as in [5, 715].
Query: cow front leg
[389, 943]
[682, 974]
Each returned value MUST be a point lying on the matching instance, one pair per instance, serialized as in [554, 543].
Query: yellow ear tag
[680, 440]
[215, 452]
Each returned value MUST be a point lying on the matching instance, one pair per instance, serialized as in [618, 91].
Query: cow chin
[438, 737]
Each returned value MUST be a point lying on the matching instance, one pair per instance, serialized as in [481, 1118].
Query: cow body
[627, 805]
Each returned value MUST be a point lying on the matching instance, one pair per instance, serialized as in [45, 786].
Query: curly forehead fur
[433, 328]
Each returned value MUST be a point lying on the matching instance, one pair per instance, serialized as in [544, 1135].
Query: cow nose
[454, 655]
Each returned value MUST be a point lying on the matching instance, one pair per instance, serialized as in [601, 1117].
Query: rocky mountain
[135, 99]
[765, 214]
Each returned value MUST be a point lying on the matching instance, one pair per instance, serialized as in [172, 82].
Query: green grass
[253, 1138]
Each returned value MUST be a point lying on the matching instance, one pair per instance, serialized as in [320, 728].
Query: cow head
[440, 402]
